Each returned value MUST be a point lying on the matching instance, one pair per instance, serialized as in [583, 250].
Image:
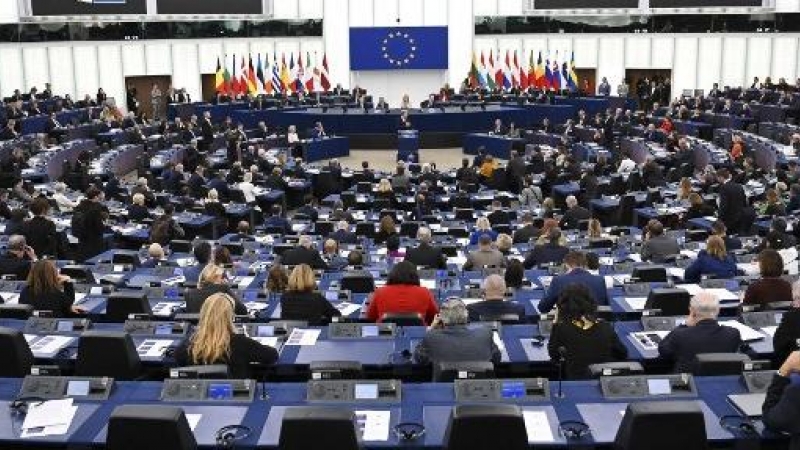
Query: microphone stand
[561, 359]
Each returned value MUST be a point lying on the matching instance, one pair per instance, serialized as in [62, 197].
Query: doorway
[208, 82]
[586, 80]
[143, 87]
[634, 76]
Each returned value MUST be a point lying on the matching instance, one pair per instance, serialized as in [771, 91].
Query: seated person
[402, 294]
[304, 253]
[485, 256]
[788, 332]
[202, 256]
[770, 288]
[574, 215]
[212, 281]
[165, 229]
[300, 301]
[515, 275]
[777, 238]
[494, 304]
[425, 254]
[330, 254]
[731, 242]
[575, 263]
[64, 203]
[701, 334]
[714, 260]
[277, 221]
[528, 231]
[498, 215]
[386, 229]
[343, 235]
[657, 245]
[47, 290]
[155, 254]
[277, 279]
[242, 232]
[18, 258]
[214, 341]
[780, 410]
[697, 207]
[585, 339]
[449, 339]
[552, 251]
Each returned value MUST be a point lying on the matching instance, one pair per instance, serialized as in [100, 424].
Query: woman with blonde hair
[216, 342]
[386, 229]
[46, 290]
[544, 233]
[212, 281]
[714, 261]
[595, 229]
[384, 187]
[684, 188]
[504, 243]
[482, 226]
[301, 302]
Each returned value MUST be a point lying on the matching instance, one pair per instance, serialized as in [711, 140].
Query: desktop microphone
[562, 357]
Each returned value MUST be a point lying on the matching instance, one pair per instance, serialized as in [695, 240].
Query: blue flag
[398, 48]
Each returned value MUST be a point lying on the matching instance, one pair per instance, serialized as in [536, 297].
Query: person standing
[157, 101]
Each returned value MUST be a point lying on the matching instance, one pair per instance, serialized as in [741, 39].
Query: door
[635, 75]
[144, 86]
[208, 85]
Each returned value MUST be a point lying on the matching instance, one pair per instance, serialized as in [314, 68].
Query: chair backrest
[716, 364]
[447, 371]
[17, 311]
[403, 319]
[135, 427]
[127, 258]
[107, 354]
[121, 305]
[652, 425]
[670, 301]
[180, 246]
[476, 426]
[323, 228]
[15, 354]
[409, 229]
[365, 229]
[336, 370]
[650, 274]
[304, 427]
[357, 283]
[615, 368]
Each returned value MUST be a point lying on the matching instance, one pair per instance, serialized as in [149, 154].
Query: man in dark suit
[575, 214]
[732, 200]
[701, 334]
[425, 254]
[498, 216]
[498, 129]
[343, 235]
[515, 171]
[781, 409]
[8, 132]
[304, 254]
[528, 230]
[449, 339]
[494, 304]
[551, 252]
[262, 132]
[575, 262]
[222, 187]
[207, 130]
[276, 220]
[309, 209]
[18, 258]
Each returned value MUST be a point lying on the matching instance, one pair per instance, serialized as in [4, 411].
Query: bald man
[494, 303]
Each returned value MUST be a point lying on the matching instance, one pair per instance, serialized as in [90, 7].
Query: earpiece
[229, 435]
[738, 425]
[409, 431]
[573, 429]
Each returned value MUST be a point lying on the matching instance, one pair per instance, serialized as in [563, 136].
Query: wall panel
[637, 53]
[11, 70]
[435, 13]
[585, 51]
[461, 31]
[208, 53]
[35, 67]
[361, 14]
[411, 13]
[611, 60]
[484, 7]
[158, 58]
[286, 9]
[110, 71]
[733, 60]
[784, 58]
[684, 74]
[62, 71]
[186, 71]
[311, 9]
[710, 57]
[662, 52]
[87, 72]
[759, 57]
[133, 61]
[509, 7]
[385, 13]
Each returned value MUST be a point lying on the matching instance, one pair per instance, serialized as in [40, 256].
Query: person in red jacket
[402, 294]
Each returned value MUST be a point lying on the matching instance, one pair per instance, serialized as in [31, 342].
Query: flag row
[495, 71]
[249, 74]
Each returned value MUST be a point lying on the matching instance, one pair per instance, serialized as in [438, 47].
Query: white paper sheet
[428, 283]
[255, 306]
[153, 348]
[243, 282]
[48, 418]
[49, 345]
[470, 301]
[347, 308]
[193, 420]
[303, 337]
[747, 333]
[676, 272]
[271, 341]
[374, 424]
[498, 342]
[636, 303]
[770, 330]
[10, 298]
[537, 426]
[692, 289]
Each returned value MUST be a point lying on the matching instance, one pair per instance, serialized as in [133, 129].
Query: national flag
[260, 75]
[301, 73]
[490, 72]
[515, 71]
[276, 76]
[310, 73]
[252, 80]
[219, 79]
[548, 76]
[243, 77]
[523, 73]
[499, 79]
[266, 74]
[538, 72]
[226, 76]
[473, 72]
[323, 77]
[507, 72]
[572, 80]
[234, 77]
[286, 79]
[556, 74]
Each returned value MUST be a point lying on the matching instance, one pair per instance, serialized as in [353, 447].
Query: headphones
[738, 425]
[409, 431]
[573, 429]
[19, 407]
[229, 435]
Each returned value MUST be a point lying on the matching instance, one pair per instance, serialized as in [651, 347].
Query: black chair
[179, 246]
[17, 311]
[128, 258]
[466, 214]
[156, 427]
[650, 274]
[615, 369]
[403, 319]
[121, 305]
[505, 319]
[366, 229]
[78, 272]
[107, 354]
[323, 228]
[336, 370]
[447, 371]
[670, 301]
[476, 427]
[625, 213]
[717, 364]
[357, 283]
[315, 428]
[15, 354]
[653, 425]
[409, 229]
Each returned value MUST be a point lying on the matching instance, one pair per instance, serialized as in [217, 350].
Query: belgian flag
[219, 82]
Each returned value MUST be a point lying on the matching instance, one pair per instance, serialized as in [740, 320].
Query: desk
[497, 146]
[49, 165]
[325, 148]
[407, 144]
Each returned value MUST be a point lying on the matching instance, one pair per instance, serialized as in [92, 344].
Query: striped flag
[324, 77]
[276, 76]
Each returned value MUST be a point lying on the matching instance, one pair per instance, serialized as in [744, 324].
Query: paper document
[747, 333]
[243, 282]
[498, 342]
[193, 420]
[255, 306]
[47, 346]
[374, 425]
[347, 308]
[692, 289]
[544, 282]
[48, 418]
[471, 301]
[268, 341]
[303, 337]
[676, 272]
[723, 294]
[537, 426]
[164, 309]
[636, 303]
[153, 348]
[11, 298]
[770, 330]
[428, 283]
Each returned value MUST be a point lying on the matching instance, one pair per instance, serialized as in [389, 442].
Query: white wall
[9, 11]
[696, 60]
[79, 68]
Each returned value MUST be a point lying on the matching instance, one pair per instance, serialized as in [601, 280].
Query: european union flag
[398, 48]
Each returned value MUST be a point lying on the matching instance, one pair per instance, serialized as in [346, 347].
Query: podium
[407, 144]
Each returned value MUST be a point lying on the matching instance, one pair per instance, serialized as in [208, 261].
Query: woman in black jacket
[300, 302]
[215, 342]
[138, 212]
[585, 339]
[46, 290]
[212, 281]
[786, 335]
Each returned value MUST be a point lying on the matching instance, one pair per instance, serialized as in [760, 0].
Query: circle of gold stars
[394, 59]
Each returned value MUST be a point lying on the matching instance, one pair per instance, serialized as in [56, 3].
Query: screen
[78, 388]
[265, 331]
[366, 391]
[96, 290]
[369, 331]
[398, 48]
[331, 296]
[375, 273]
[210, 7]
[659, 387]
[703, 3]
[163, 328]
[64, 325]
[513, 389]
[577, 4]
[171, 293]
[91, 7]
[220, 391]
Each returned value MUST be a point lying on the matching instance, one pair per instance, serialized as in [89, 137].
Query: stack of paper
[538, 426]
[153, 348]
[374, 425]
[770, 330]
[347, 308]
[747, 333]
[723, 294]
[303, 337]
[48, 418]
[269, 341]
[636, 303]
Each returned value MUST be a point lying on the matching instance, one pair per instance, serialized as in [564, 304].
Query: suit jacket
[785, 340]
[494, 308]
[344, 237]
[40, 234]
[732, 200]
[574, 216]
[658, 247]
[59, 302]
[426, 255]
[11, 265]
[457, 343]
[499, 217]
[545, 254]
[781, 410]
[480, 259]
[303, 255]
[595, 283]
[308, 306]
[525, 234]
[684, 343]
